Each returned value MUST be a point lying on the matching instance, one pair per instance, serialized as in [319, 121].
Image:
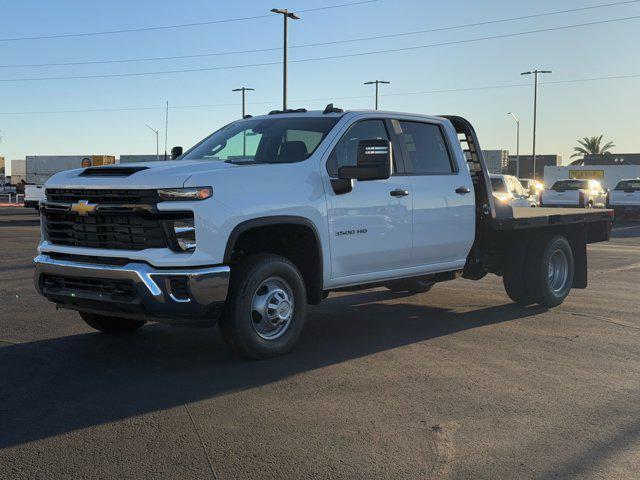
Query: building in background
[607, 175]
[139, 158]
[526, 165]
[497, 160]
[18, 172]
[609, 159]
[2, 167]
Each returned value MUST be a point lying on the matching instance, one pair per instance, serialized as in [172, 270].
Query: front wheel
[112, 325]
[265, 309]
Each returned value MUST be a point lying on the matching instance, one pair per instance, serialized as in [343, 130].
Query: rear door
[442, 191]
[370, 226]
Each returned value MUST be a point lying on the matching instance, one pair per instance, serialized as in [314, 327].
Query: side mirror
[176, 152]
[375, 160]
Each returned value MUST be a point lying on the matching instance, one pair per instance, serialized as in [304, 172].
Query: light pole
[157, 141]
[243, 90]
[377, 84]
[517, 143]
[244, 132]
[535, 73]
[286, 14]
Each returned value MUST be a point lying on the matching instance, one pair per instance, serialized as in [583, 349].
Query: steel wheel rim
[272, 308]
[558, 271]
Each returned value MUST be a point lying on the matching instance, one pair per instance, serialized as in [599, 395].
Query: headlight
[503, 197]
[185, 234]
[191, 193]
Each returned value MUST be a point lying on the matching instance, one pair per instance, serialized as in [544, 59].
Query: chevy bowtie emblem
[83, 207]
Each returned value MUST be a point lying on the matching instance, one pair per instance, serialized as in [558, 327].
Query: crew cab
[274, 212]
[574, 193]
[508, 189]
[625, 198]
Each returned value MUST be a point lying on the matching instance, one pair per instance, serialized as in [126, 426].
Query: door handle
[462, 190]
[399, 192]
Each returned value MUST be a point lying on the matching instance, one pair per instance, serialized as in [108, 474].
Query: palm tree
[592, 145]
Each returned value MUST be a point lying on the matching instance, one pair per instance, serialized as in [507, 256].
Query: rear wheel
[540, 273]
[113, 325]
[265, 309]
[552, 277]
[410, 286]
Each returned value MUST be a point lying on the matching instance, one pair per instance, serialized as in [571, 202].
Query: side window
[425, 148]
[346, 151]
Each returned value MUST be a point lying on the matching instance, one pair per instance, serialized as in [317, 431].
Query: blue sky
[567, 111]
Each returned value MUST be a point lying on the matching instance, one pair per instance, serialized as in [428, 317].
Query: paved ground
[456, 383]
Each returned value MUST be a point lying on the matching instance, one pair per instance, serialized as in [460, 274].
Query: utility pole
[157, 141]
[243, 90]
[535, 73]
[286, 14]
[377, 84]
[517, 143]
[166, 130]
[244, 132]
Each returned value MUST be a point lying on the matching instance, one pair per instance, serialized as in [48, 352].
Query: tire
[550, 271]
[111, 325]
[514, 277]
[265, 309]
[411, 286]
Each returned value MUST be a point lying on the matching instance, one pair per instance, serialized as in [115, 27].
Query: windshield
[570, 185]
[497, 185]
[629, 185]
[269, 140]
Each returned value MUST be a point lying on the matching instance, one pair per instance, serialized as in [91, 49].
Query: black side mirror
[375, 160]
[176, 152]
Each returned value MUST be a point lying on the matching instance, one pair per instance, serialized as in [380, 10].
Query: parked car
[33, 195]
[625, 198]
[508, 190]
[247, 234]
[534, 187]
[574, 193]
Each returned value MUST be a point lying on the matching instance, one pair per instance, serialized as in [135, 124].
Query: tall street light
[517, 143]
[535, 73]
[157, 141]
[286, 15]
[243, 90]
[377, 84]
[244, 132]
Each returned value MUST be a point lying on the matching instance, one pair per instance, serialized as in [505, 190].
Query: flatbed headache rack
[504, 217]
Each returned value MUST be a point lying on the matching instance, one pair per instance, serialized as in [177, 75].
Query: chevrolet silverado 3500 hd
[271, 213]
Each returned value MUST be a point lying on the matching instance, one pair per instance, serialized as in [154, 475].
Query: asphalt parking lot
[455, 383]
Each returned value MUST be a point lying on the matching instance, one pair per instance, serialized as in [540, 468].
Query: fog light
[185, 233]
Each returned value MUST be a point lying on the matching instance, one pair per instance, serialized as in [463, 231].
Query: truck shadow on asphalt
[55, 386]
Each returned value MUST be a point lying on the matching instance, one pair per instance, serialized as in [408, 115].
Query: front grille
[103, 196]
[100, 289]
[134, 231]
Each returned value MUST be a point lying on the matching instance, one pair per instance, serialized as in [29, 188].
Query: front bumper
[135, 290]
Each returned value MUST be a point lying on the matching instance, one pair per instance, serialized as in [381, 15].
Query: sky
[108, 115]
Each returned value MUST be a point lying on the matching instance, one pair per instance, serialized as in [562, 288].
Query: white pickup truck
[33, 195]
[271, 213]
[625, 198]
[574, 193]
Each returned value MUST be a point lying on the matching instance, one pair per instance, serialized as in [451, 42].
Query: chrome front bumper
[152, 293]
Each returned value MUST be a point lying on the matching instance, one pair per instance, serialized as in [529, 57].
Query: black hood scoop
[110, 171]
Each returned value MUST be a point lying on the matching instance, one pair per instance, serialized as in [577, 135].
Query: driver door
[370, 226]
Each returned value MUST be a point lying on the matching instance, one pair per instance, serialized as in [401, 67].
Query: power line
[315, 59]
[354, 97]
[317, 44]
[167, 27]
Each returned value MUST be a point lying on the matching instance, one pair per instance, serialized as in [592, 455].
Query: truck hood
[169, 174]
